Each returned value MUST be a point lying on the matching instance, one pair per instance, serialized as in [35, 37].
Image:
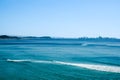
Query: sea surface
[59, 59]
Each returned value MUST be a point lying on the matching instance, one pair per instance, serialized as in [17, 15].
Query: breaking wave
[106, 68]
[105, 45]
[73, 44]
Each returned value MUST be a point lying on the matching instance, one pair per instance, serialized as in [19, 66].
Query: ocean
[59, 59]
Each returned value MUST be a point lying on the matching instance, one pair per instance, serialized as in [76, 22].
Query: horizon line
[61, 37]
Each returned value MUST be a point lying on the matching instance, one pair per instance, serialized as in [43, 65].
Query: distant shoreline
[6, 37]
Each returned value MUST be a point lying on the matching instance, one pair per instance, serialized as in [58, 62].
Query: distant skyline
[60, 18]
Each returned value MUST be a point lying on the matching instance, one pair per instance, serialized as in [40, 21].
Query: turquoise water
[59, 60]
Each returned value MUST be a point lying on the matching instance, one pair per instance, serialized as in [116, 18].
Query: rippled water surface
[59, 60]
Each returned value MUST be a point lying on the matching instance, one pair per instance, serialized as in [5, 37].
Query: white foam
[28, 60]
[106, 68]
[17, 60]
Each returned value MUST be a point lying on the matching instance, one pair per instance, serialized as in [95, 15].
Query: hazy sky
[60, 18]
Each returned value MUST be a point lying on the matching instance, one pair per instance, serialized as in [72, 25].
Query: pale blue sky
[60, 18]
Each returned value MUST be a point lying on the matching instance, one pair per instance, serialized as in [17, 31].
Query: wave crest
[106, 68]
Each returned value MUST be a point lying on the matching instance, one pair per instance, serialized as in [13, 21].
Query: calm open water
[59, 60]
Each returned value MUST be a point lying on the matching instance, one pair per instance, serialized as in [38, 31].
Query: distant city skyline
[60, 18]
